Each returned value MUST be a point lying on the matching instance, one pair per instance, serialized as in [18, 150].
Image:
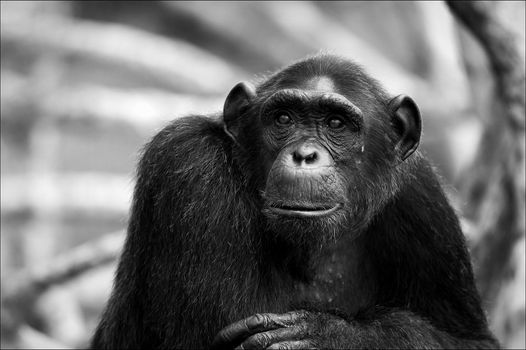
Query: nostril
[311, 158]
[297, 157]
[308, 156]
[304, 158]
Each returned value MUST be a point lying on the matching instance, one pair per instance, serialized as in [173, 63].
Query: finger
[238, 331]
[264, 339]
[292, 344]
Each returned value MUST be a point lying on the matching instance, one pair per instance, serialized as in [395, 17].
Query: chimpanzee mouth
[304, 210]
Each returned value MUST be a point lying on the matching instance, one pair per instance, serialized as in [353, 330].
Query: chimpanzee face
[310, 150]
[306, 136]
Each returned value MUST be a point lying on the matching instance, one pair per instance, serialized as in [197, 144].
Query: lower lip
[305, 213]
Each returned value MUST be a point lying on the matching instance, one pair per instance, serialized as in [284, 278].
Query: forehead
[320, 83]
[320, 89]
[307, 98]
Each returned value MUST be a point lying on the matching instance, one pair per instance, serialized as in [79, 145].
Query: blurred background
[85, 84]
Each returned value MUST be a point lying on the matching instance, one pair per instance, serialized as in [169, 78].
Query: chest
[342, 280]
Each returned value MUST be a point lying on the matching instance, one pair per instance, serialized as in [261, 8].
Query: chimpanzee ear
[407, 123]
[237, 100]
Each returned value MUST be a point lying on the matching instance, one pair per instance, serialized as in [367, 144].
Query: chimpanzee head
[326, 142]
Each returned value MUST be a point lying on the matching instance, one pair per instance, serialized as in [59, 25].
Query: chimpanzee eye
[283, 119]
[335, 123]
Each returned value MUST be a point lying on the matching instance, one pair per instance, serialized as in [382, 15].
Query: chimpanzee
[301, 217]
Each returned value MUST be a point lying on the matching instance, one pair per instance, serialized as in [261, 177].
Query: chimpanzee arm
[396, 328]
[386, 328]
[177, 171]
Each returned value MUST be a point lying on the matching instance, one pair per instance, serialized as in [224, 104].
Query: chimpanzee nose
[310, 155]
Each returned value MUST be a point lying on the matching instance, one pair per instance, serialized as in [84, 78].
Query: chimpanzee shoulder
[190, 160]
[420, 228]
[186, 137]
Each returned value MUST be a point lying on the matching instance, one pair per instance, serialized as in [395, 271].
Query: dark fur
[200, 254]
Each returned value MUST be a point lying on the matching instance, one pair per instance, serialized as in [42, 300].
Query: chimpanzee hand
[293, 330]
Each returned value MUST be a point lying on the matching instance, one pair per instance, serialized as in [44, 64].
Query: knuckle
[303, 314]
[295, 317]
[256, 321]
[247, 324]
[259, 321]
[262, 339]
[267, 321]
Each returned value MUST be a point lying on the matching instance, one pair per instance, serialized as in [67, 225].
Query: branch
[28, 337]
[495, 184]
[505, 60]
[82, 191]
[24, 288]
[68, 266]
[169, 63]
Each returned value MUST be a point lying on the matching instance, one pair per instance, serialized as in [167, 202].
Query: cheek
[379, 146]
[346, 149]
[270, 145]
[266, 164]
[369, 187]
[274, 139]
[270, 150]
